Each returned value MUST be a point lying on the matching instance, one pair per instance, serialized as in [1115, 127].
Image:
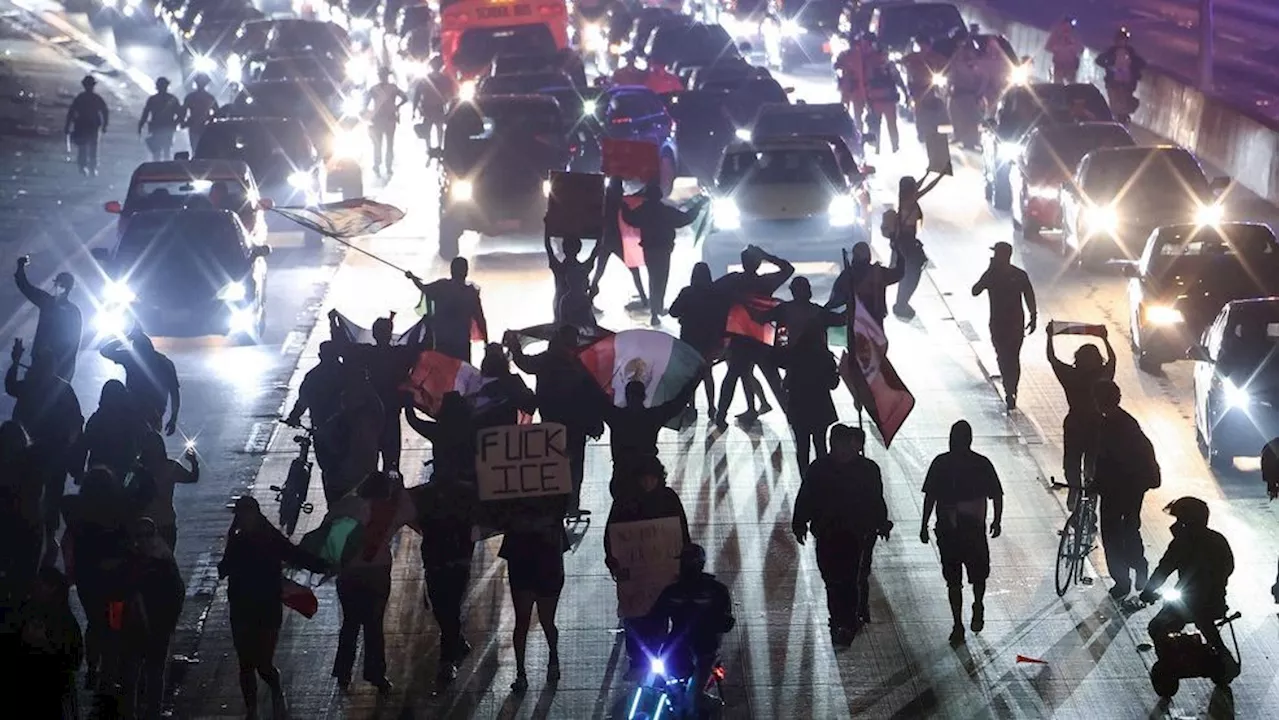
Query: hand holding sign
[647, 554]
[522, 461]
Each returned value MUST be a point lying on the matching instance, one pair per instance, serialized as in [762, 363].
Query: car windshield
[1065, 148]
[309, 68]
[1249, 340]
[1147, 180]
[531, 83]
[479, 46]
[315, 37]
[1239, 255]
[271, 151]
[694, 44]
[175, 194]
[201, 248]
[899, 24]
[803, 122]
[790, 167]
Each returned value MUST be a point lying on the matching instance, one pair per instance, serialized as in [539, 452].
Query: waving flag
[742, 320]
[870, 377]
[345, 220]
[662, 362]
[543, 333]
[336, 541]
[436, 374]
[351, 332]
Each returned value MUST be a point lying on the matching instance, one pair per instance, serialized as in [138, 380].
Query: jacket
[841, 497]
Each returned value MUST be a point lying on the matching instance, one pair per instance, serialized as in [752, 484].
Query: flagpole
[361, 250]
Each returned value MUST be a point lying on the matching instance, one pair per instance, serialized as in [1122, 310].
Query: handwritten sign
[522, 461]
[647, 552]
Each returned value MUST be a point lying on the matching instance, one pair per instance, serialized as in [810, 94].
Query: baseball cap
[1002, 248]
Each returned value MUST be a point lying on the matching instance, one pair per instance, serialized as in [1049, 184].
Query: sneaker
[1011, 402]
[1118, 591]
[553, 672]
[978, 621]
[521, 684]
[654, 321]
[957, 635]
[906, 312]
[279, 705]
[765, 407]
[1139, 580]
[749, 417]
[447, 674]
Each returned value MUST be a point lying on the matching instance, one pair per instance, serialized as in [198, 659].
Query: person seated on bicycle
[1203, 560]
[321, 395]
[1077, 381]
[697, 610]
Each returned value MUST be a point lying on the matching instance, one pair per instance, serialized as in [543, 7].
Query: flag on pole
[435, 374]
[868, 374]
[543, 333]
[345, 220]
[662, 362]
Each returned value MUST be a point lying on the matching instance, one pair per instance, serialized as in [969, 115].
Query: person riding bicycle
[1203, 560]
[321, 394]
[1077, 381]
[697, 610]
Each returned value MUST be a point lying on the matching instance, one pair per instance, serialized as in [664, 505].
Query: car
[704, 128]
[672, 44]
[744, 20]
[1184, 277]
[194, 184]
[557, 85]
[800, 33]
[1235, 383]
[495, 163]
[1119, 195]
[184, 273]
[1020, 110]
[1048, 157]
[557, 62]
[778, 120]
[632, 112]
[646, 21]
[788, 196]
[745, 98]
[896, 24]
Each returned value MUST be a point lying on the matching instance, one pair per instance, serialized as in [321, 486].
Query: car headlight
[460, 191]
[895, 56]
[117, 293]
[235, 66]
[204, 64]
[589, 107]
[593, 38]
[112, 322]
[1209, 214]
[1236, 397]
[1008, 151]
[791, 28]
[243, 321]
[361, 24]
[1019, 75]
[843, 211]
[1162, 315]
[467, 90]
[1043, 192]
[301, 180]
[232, 292]
[724, 211]
[1101, 219]
[743, 134]
[358, 68]
[939, 80]
[352, 105]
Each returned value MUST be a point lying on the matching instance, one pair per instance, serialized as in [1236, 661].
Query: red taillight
[718, 672]
[620, 120]
[550, 10]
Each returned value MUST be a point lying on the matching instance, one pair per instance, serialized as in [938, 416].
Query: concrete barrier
[1219, 135]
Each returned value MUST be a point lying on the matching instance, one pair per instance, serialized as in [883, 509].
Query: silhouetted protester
[20, 490]
[388, 366]
[432, 95]
[359, 433]
[904, 226]
[842, 502]
[745, 354]
[150, 377]
[160, 116]
[1077, 381]
[562, 383]
[85, 125]
[58, 327]
[611, 246]
[811, 368]
[572, 302]
[111, 435]
[1122, 67]
[535, 573]
[1271, 476]
[386, 99]
[48, 410]
[869, 281]
[1007, 288]
[252, 563]
[165, 475]
[504, 396]
[42, 649]
[649, 498]
[154, 572]
[958, 484]
[657, 223]
[455, 305]
[696, 610]
[452, 436]
[320, 395]
[634, 428]
[1124, 469]
[198, 108]
[702, 311]
[383, 507]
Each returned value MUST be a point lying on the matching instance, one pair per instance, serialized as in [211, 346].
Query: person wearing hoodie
[112, 435]
[165, 474]
[958, 485]
[504, 395]
[634, 428]
[867, 281]
[58, 326]
[657, 223]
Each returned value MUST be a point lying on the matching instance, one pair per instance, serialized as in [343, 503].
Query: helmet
[88, 82]
[1189, 511]
[693, 558]
[200, 79]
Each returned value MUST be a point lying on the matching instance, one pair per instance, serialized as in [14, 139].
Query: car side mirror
[260, 251]
[113, 207]
[1219, 185]
[1199, 353]
[100, 255]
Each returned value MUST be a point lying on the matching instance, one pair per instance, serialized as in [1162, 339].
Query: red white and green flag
[870, 377]
[662, 362]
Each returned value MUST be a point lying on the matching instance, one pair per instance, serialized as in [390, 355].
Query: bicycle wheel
[1068, 565]
[292, 498]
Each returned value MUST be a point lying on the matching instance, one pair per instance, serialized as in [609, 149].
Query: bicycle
[292, 496]
[1075, 542]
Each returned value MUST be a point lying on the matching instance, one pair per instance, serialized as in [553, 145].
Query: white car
[788, 196]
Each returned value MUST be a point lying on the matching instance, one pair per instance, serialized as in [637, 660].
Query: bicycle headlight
[1162, 315]
[232, 292]
[939, 80]
[301, 180]
[842, 212]
[724, 211]
[1209, 214]
[1101, 219]
[1236, 397]
[657, 667]
[460, 191]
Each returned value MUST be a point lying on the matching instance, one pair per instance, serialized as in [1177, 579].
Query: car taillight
[620, 120]
[550, 10]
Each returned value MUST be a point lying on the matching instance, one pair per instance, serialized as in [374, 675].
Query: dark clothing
[1120, 522]
[535, 560]
[384, 145]
[912, 262]
[1204, 561]
[1007, 288]
[961, 481]
[963, 548]
[87, 154]
[1112, 57]
[363, 594]
[150, 378]
[58, 328]
[744, 354]
[388, 367]
[869, 282]
[562, 382]
[697, 610]
[633, 434]
[112, 439]
[1078, 384]
[811, 372]
[702, 312]
[840, 555]
[43, 647]
[571, 304]
[253, 563]
[87, 117]
[1008, 347]
[661, 502]
[432, 95]
[657, 223]
[453, 444]
[502, 399]
[47, 409]
[1125, 461]
[455, 306]
[321, 394]
[658, 261]
[197, 110]
[446, 589]
[841, 497]
[162, 111]
[444, 514]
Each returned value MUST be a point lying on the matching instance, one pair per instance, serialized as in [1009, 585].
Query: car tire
[450, 235]
[1148, 364]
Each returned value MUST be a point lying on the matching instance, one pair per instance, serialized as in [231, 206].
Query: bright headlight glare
[232, 292]
[460, 191]
[358, 68]
[657, 667]
[117, 293]
[203, 64]
[301, 180]
[1162, 315]
[1171, 594]
[791, 28]
[242, 321]
[725, 213]
[348, 143]
[743, 134]
[113, 322]
[843, 211]
[588, 107]
[1235, 396]
[1008, 151]
[1101, 219]
[352, 105]
[1019, 75]
[235, 66]
[1209, 215]
[467, 90]
[939, 80]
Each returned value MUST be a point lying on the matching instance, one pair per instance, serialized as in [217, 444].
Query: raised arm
[554, 262]
[39, 298]
[1109, 367]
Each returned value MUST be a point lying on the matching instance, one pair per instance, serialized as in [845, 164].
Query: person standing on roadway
[160, 116]
[702, 312]
[455, 308]
[386, 98]
[634, 428]
[198, 108]
[842, 502]
[958, 485]
[432, 96]
[1007, 288]
[902, 228]
[866, 281]
[851, 78]
[85, 125]
[535, 573]
[1065, 48]
[321, 394]
[657, 223]
[1124, 469]
[112, 435]
[387, 365]
[883, 83]
[744, 354]
[504, 396]
[698, 610]
[611, 245]
[165, 474]
[572, 300]
[1077, 381]
[150, 377]
[59, 325]
[1123, 69]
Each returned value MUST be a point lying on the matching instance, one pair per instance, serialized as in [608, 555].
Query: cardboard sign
[522, 461]
[648, 554]
[938, 148]
[629, 159]
[575, 205]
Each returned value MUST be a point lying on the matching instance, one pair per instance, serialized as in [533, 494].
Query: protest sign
[575, 205]
[514, 462]
[648, 553]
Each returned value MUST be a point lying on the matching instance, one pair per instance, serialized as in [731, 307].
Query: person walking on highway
[572, 303]
[1124, 469]
[883, 84]
[902, 228]
[160, 117]
[455, 309]
[1007, 288]
[1065, 48]
[58, 326]
[198, 108]
[505, 396]
[154, 573]
[958, 485]
[744, 354]
[432, 96]
[1077, 381]
[359, 433]
[86, 124]
[851, 78]
[657, 223]
[256, 553]
[1122, 67]
[386, 98]
[866, 282]
[634, 428]
[165, 475]
[320, 394]
[926, 83]
[112, 435]
[702, 312]
[44, 648]
[150, 377]
[535, 573]
[696, 611]
[611, 245]
[841, 500]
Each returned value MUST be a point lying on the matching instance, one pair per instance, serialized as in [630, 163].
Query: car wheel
[1148, 364]
[450, 235]
[667, 174]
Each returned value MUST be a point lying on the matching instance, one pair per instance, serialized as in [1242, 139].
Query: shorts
[964, 548]
[539, 572]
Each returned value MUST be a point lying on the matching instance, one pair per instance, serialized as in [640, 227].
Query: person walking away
[432, 95]
[455, 308]
[1203, 560]
[968, 87]
[320, 395]
[745, 354]
[504, 396]
[44, 649]
[198, 108]
[452, 436]
[1007, 288]
[1124, 469]
[1077, 381]
[657, 223]
[252, 563]
[386, 98]
[20, 490]
[841, 500]
[696, 610]
[160, 117]
[58, 326]
[165, 475]
[86, 124]
[155, 573]
[634, 428]
[1122, 67]
[926, 80]
[383, 507]
[883, 84]
[1064, 48]
[112, 434]
[359, 431]
[851, 79]
[611, 245]
[150, 377]
[388, 366]
[702, 311]
[535, 573]
[47, 408]
[647, 498]
[867, 281]
[902, 228]
[572, 302]
[958, 485]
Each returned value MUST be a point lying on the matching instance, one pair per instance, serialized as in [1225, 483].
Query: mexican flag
[662, 362]
[870, 377]
[435, 374]
[353, 333]
[742, 319]
[345, 220]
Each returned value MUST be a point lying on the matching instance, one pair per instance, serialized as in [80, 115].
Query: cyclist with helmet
[160, 116]
[86, 123]
[1203, 560]
[1064, 47]
[697, 610]
[1123, 67]
[198, 108]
